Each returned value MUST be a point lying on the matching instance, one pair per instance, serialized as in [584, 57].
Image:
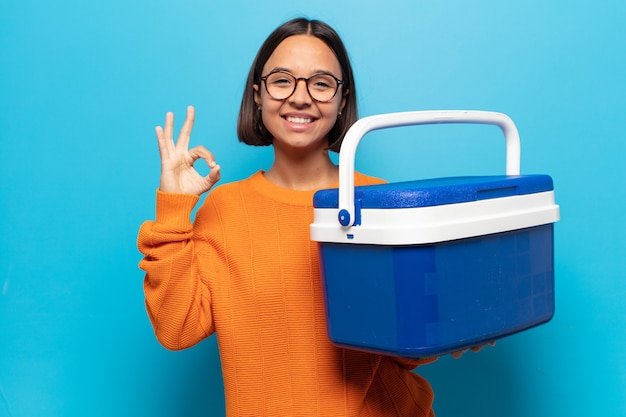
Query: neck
[308, 172]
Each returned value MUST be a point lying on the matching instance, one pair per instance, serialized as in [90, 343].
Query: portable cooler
[426, 267]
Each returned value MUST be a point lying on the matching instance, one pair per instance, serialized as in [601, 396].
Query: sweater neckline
[285, 195]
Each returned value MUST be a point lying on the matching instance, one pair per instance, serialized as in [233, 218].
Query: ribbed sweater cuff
[175, 209]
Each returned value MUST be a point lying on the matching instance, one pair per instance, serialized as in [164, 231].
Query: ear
[257, 95]
[343, 100]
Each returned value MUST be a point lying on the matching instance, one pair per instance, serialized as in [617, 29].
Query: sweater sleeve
[178, 300]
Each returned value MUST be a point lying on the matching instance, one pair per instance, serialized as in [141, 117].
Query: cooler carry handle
[367, 124]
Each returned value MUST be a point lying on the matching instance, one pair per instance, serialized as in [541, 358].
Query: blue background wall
[82, 85]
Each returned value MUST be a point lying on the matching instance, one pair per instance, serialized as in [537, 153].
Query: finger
[185, 131]
[202, 152]
[480, 347]
[163, 148]
[164, 135]
[457, 354]
[169, 126]
[214, 175]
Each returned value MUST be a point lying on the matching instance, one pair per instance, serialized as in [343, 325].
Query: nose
[301, 93]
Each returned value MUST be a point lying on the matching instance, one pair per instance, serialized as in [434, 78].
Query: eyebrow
[275, 69]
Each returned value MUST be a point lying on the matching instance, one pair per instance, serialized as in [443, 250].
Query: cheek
[332, 109]
[270, 111]
[266, 103]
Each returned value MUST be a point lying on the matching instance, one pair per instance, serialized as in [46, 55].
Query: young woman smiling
[246, 269]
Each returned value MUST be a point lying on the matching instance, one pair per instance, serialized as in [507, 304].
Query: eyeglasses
[281, 85]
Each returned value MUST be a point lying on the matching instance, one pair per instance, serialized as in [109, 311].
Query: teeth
[300, 120]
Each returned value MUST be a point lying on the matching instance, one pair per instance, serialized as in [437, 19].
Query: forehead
[303, 55]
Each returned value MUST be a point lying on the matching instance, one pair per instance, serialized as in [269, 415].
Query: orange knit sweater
[247, 270]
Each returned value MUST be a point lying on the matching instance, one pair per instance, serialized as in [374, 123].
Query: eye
[322, 82]
[281, 80]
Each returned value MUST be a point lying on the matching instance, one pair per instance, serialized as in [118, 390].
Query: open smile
[299, 120]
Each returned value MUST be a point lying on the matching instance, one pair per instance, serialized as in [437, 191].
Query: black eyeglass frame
[306, 83]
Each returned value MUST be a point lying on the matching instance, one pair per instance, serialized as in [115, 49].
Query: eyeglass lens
[281, 85]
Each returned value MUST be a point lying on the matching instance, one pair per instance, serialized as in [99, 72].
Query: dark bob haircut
[250, 128]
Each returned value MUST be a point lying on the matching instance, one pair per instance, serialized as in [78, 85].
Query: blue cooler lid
[438, 191]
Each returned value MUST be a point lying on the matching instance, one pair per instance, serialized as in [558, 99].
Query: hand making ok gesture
[177, 172]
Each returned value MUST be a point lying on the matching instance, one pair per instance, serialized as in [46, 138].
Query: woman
[246, 268]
